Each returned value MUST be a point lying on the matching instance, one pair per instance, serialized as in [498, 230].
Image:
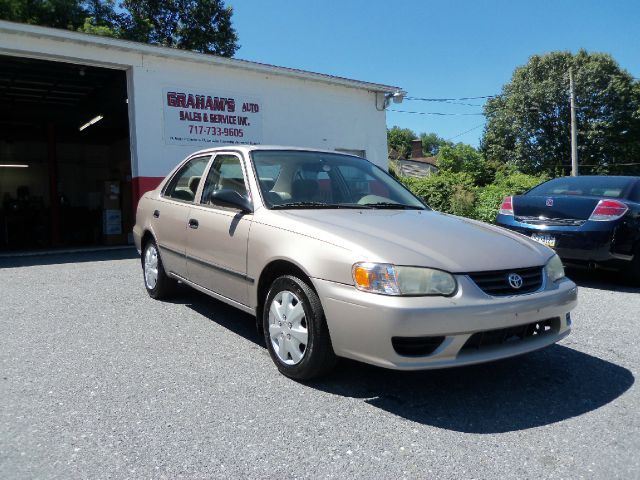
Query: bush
[455, 193]
[490, 197]
[394, 170]
[446, 192]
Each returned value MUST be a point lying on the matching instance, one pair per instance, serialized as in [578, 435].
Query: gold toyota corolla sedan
[335, 258]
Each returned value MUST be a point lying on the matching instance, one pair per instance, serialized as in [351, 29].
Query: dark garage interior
[65, 162]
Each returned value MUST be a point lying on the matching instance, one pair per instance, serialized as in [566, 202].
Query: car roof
[252, 148]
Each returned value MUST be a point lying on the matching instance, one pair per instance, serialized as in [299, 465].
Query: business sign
[210, 118]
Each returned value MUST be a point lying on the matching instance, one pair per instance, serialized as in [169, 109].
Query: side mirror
[230, 198]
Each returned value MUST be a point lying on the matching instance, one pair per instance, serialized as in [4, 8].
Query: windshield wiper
[392, 205]
[312, 205]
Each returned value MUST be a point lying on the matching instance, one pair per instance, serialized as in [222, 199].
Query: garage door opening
[65, 162]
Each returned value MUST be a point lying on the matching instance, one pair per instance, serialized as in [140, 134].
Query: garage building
[90, 123]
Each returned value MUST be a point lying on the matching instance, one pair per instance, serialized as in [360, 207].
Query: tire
[293, 315]
[156, 281]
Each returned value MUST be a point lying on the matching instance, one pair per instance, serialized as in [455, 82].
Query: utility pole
[574, 127]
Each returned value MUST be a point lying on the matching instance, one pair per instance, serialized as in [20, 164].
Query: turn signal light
[507, 206]
[608, 210]
[361, 276]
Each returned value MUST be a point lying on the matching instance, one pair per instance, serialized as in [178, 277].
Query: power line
[421, 99]
[481, 97]
[466, 131]
[464, 104]
[600, 165]
[435, 113]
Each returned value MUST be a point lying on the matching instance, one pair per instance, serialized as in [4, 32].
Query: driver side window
[225, 173]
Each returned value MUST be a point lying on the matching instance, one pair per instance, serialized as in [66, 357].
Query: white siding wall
[295, 112]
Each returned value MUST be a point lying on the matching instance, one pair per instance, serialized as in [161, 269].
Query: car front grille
[491, 338]
[496, 283]
[551, 222]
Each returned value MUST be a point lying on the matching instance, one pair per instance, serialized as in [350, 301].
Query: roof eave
[167, 52]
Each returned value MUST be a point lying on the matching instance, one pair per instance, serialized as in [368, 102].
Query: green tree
[200, 25]
[528, 124]
[464, 158]
[399, 140]
[101, 18]
[432, 143]
[69, 14]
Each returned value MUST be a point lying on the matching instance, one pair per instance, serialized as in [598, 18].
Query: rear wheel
[156, 281]
[296, 331]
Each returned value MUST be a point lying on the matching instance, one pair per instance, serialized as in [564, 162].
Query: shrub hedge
[455, 193]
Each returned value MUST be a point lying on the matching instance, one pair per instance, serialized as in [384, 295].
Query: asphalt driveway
[100, 381]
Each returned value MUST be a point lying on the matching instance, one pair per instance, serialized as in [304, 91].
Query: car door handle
[193, 223]
[156, 213]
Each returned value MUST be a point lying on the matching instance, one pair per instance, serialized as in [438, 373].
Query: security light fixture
[91, 122]
[396, 96]
[13, 166]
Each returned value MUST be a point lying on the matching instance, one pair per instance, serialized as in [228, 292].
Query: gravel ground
[100, 381]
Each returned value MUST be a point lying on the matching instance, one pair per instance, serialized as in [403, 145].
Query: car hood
[416, 237]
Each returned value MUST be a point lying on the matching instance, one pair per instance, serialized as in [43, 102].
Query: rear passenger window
[184, 184]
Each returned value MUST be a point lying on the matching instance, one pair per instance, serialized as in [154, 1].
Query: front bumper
[362, 324]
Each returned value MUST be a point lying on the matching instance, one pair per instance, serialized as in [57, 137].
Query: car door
[171, 214]
[218, 235]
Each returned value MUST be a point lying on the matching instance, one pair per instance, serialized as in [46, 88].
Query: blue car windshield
[307, 179]
[609, 187]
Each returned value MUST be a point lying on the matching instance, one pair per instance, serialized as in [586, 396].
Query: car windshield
[299, 179]
[610, 187]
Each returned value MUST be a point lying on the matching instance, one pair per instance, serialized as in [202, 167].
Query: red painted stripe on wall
[141, 185]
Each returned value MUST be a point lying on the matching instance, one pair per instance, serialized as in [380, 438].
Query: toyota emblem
[549, 202]
[515, 280]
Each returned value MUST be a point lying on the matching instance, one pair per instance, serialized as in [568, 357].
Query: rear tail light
[608, 210]
[507, 206]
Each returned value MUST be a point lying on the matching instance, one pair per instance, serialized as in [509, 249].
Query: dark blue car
[591, 221]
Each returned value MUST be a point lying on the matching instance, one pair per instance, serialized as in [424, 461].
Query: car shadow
[53, 258]
[543, 387]
[224, 315]
[524, 392]
[603, 280]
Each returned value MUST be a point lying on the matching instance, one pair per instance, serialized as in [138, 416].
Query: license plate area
[548, 240]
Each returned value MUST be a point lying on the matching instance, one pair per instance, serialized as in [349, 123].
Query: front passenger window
[225, 173]
[185, 182]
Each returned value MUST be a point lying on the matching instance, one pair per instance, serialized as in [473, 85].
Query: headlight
[554, 268]
[390, 279]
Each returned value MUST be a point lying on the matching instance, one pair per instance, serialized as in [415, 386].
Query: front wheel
[296, 331]
[158, 284]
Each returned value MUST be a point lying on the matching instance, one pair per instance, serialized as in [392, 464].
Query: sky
[433, 49]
